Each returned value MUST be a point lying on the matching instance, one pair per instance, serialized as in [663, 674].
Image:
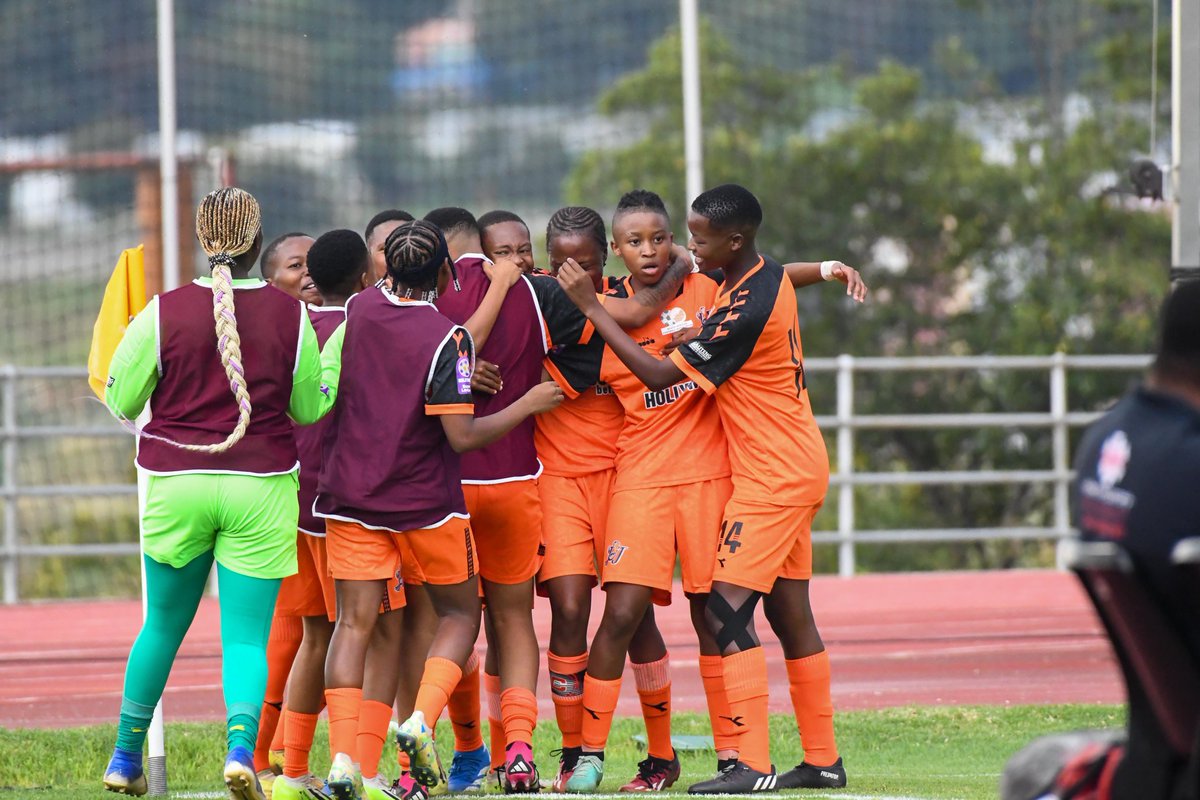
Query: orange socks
[491, 688]
[282, 645]
[298, 742]
[599, 703]
[746, 688]
[268, 720]
[808, 679]
[464, 708]
[440, 677]
[280, 731]
[373, 719]
[518, 714]
[343, 720]
[712, 674]
[566, 689]
[654, 690]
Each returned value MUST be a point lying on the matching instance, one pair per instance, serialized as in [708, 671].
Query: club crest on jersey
[616, 551]
[674, 320]
[1114, 457]
[462, 373]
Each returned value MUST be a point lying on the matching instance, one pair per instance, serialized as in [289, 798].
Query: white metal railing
[844, 480]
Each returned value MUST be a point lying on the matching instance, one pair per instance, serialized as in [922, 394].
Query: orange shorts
[647, 527]
[444, 554]
[507, 521]
[759, 543]
[308, 593]
[574, 521]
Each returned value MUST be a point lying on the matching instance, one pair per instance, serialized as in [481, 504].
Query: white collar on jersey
[479, 256]
[311, 307]
[237, 283]
[403, 302]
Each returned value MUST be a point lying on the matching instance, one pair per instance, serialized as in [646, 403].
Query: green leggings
[173, 594]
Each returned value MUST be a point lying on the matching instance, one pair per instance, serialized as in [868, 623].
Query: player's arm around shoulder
[808, 273]
[448, 397]
[504, 274]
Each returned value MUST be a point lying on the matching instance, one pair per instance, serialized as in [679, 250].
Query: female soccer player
[221, 484]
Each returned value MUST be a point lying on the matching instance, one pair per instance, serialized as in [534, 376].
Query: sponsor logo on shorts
[616, 551]
[462, 374]
[699, 350]
[399, 585]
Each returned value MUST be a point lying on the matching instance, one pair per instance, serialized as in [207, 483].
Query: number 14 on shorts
[730, 538]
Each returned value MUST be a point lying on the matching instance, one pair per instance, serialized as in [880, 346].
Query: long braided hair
[228, 222]
[415, 252]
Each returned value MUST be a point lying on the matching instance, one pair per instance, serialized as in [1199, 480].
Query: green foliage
[973, 241]
[914, 752]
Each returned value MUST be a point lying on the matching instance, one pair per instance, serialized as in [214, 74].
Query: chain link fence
[968, 155]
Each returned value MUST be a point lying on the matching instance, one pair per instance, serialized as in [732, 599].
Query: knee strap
[734, 622]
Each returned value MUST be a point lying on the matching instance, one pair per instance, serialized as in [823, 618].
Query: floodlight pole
[1185, 140]
[693, 143]
[168, 161]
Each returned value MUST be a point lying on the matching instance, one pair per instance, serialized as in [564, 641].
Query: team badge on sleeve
[462, 373]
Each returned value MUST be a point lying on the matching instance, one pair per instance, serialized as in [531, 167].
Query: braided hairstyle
[415, 252]
[228, 223]
[574, 220]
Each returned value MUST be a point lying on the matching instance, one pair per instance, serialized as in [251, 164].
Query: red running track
[907, 639]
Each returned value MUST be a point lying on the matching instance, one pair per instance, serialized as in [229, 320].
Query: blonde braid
[227, 223]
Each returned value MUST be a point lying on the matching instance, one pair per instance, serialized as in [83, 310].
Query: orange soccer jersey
[671, 436]
[580, 436]
[750, 350]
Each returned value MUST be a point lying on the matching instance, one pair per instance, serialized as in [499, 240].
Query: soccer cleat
[738, 779]
[416, 739]
[240, 778]
[806, 776]
[266, 779]
[405, 788]
[469, 770]
[310, 787]
[275, 759]
[654, 775]
[520, 773]
[124, 773]
[344, 781]
[589, 771]
[568, 757]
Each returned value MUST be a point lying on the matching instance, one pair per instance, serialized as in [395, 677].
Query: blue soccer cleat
[469, 770]
[124, 773]
[240, 778]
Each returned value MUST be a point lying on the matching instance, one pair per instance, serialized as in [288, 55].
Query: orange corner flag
[124, 297]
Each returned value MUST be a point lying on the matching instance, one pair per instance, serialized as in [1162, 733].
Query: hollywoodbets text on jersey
[664, 397]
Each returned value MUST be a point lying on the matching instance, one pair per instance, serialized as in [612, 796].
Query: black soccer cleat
[806, 776]
[738, 779]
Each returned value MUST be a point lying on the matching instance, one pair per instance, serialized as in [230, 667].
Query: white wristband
[827, 269]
